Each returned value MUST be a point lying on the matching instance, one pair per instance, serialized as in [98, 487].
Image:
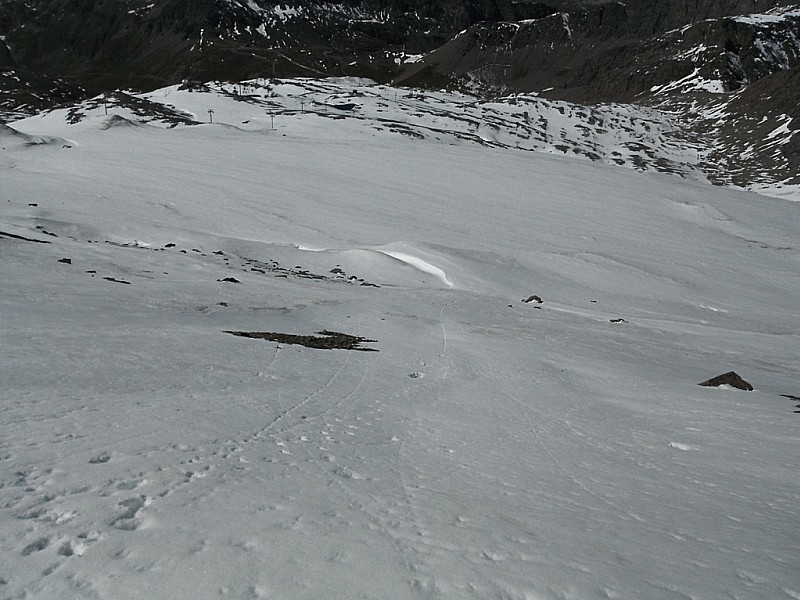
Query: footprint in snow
[100, 458]
[347, 473]
[128, 520]
[36, 546]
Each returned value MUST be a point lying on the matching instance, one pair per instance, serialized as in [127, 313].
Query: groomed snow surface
[486, 448]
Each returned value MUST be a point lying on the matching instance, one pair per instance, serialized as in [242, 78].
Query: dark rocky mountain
[588, 50]
[692, 56]
[620, 52]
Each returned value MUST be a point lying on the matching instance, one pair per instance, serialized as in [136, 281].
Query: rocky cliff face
[588, 48]
[94, 45]
[620, 52]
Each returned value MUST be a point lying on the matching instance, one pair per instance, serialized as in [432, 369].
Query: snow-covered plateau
[396, 415]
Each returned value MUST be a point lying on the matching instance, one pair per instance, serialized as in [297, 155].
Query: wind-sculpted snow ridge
[396, 264]
[11, 138]
[527, 426]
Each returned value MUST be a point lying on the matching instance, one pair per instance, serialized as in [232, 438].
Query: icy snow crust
[489, 448]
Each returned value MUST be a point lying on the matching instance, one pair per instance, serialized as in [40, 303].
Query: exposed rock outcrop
[730, 378]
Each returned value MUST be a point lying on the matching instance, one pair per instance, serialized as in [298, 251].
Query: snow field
[489, 449]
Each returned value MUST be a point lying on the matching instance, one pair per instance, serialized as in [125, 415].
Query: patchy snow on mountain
[693, 82]
[776, 15]
[625, 135]
[391, 417]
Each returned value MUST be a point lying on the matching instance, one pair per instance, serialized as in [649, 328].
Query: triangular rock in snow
[730, 378]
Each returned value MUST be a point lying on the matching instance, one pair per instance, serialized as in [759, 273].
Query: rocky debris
[44, 231]
[229, 280]
[533, 298]
[793, 399]
[730, 378]
[324, 340]
[66, 261]
[115, 280]
[619, 320]
[14, 236]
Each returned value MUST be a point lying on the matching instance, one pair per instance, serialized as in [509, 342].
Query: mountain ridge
[131, 43]
[692, 57]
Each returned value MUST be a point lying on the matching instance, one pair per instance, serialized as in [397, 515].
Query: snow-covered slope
[485, 448]
[667, 140]
[619, 134]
